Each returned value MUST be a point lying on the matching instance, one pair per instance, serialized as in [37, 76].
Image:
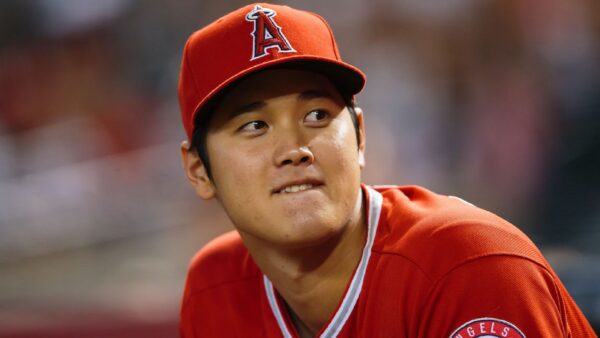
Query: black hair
[202, 121]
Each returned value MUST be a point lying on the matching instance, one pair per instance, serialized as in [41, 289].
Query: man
[274, 136]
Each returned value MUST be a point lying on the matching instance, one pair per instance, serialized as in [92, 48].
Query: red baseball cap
[253, 38]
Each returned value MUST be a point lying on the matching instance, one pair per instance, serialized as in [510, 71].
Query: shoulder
[223, 260]
[439, 233]
[222, 278]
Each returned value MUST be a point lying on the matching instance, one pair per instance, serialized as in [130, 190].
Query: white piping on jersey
[275, 307]
[341, 316]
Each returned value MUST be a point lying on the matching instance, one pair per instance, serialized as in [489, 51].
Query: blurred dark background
[495, 101]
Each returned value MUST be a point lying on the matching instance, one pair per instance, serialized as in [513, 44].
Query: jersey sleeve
[496, 296]
[222, 295]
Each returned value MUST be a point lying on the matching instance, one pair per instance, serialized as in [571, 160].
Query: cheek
[236, 170]
[241, 186]
[338, 147]
[336, 154]
[239, 170]
[237, 186]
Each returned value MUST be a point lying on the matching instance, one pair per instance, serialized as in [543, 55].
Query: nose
[295, 156]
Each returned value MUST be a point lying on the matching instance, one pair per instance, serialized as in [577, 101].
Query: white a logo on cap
[266, 34]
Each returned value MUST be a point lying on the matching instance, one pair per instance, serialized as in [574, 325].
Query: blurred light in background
[495, 101]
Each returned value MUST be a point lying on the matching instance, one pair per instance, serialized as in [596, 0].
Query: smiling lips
[293, 187]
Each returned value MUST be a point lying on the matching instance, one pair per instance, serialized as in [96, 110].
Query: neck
[312, 280]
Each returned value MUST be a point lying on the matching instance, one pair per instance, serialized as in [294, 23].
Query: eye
[316, 116]
[253, 126]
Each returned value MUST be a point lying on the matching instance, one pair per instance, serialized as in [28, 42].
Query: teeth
[296, 188]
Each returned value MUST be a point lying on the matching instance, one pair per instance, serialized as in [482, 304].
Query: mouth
[296, 187]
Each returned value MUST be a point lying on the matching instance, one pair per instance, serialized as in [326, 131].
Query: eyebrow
[304, 96]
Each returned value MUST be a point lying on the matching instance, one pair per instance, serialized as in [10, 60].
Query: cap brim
[347, 78]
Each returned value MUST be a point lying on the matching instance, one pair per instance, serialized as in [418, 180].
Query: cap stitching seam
[335, 49]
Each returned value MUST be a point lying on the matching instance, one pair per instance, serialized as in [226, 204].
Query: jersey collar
[341, 315]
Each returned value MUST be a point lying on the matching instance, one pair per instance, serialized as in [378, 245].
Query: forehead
[273, 83]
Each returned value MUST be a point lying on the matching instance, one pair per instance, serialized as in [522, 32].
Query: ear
[196, 172]
[361, 129]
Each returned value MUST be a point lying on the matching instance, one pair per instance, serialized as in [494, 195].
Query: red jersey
[432, 266]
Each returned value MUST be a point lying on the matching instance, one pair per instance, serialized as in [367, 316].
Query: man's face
[284, 158]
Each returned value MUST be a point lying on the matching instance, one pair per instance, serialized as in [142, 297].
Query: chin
[310, 233]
